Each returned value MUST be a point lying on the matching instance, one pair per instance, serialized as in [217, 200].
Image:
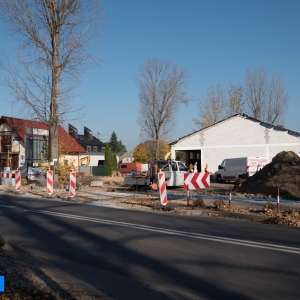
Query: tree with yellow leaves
[146, 151]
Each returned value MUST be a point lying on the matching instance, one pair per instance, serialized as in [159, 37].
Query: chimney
[88, 133]
[73, 131]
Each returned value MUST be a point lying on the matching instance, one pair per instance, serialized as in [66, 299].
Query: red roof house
[21, 141]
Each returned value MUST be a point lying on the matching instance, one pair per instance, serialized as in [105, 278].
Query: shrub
[218, 203]
[2, 241]
[199, 203]
[269, 205]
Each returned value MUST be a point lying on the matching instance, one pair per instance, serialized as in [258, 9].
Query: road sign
[195, 181]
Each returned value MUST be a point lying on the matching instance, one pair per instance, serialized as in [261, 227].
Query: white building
[237, 136]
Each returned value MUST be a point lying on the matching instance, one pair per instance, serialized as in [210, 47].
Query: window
[223, 164]
[174, 166]
[95, 148]
[35, 147]
[182, 167]
[88, 148]
[5, 140]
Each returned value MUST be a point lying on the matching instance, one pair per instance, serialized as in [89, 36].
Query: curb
[228, 214]
[207, 212]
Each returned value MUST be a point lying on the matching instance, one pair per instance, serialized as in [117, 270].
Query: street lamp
[8, 146]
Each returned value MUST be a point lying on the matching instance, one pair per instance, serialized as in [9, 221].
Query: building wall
[16, 150]
[95, 159]
[237, 137]
[70, 160]
[127, 159]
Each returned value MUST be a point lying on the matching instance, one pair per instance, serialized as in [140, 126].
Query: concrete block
[97, 183]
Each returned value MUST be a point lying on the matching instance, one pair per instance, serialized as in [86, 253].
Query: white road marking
[175, 232]
[7, 206]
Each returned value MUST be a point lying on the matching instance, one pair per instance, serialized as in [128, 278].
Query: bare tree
[256, 92]
[212, 108]
[54, 36]
[266, 99]
[162, 88]
[277, 99]
[235, 99]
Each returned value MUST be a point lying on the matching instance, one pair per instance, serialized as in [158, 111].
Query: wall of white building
[237, 136]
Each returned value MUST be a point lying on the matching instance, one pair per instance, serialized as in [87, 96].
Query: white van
[241, 167]
[174, 174]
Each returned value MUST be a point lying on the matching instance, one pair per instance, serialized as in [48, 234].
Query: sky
[216, 40]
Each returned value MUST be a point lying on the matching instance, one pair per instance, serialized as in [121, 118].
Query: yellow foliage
[61, 167]
[145, 152]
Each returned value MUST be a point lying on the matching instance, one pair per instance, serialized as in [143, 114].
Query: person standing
[191, 168]
[195, 167]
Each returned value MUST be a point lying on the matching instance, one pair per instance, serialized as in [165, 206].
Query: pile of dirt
[283, 173]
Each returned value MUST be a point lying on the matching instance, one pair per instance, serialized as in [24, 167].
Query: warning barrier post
[50, 182]
[72, 185]
[18, 180]
[162, 188]
[278, 205]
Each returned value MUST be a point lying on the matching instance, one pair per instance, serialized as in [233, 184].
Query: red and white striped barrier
[72, 185]
[49, 182]
[195, 181]
[18, 180]
[7, 175]
[162, 188]
[8, 178]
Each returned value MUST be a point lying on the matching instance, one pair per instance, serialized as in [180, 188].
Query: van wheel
[219, 179]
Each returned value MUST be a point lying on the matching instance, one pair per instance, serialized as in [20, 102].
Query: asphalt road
[148, 255]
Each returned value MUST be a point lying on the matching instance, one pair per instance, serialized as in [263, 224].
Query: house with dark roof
[94, 149]
[236, 136]
[22, 143]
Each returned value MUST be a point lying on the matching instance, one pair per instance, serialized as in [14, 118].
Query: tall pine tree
[110, 162]
[113, 142]
[116, 146]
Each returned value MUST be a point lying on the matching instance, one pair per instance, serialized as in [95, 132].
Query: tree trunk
[53, 126]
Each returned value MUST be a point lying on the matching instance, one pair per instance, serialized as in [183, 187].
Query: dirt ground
[214, 200]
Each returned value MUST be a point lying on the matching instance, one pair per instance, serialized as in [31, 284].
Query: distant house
[22, 143]
[126, 157]
[94, 149]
